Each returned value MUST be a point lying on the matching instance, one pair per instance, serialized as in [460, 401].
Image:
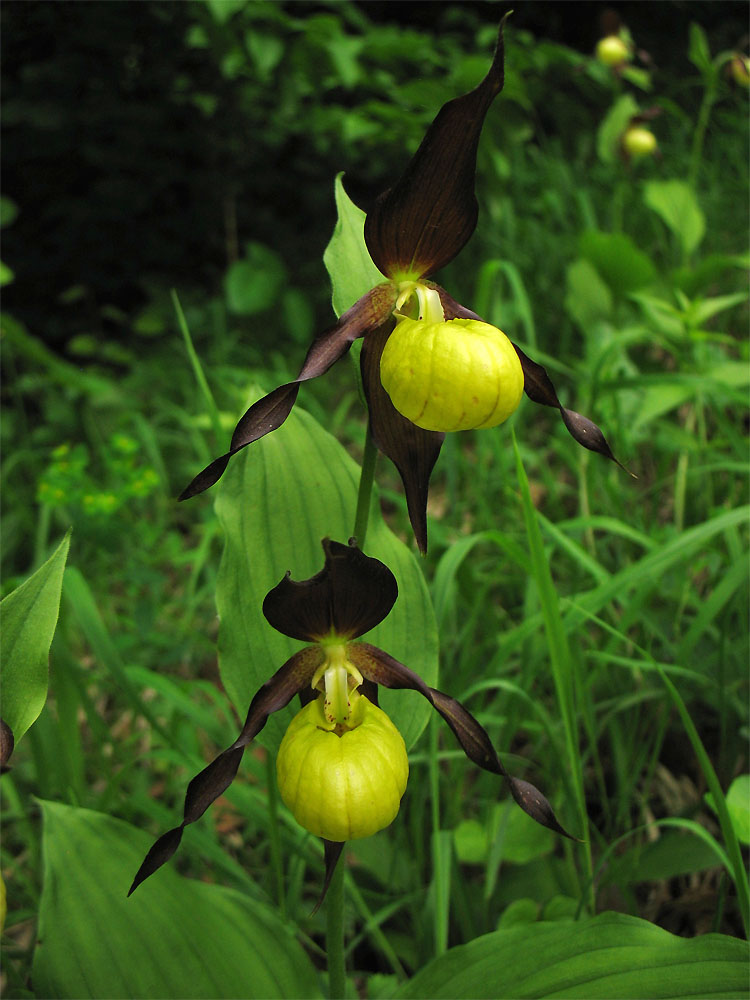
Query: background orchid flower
[342, 765]
[415, 228]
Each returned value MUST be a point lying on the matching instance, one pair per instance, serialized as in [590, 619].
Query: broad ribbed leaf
[276, 503]
[28, 618]
[174, 938]
[609, 956]
[346, 257]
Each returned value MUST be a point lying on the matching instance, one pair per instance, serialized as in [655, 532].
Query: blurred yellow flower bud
[451, 376]
[612, 51]
[342, 783]
[638, 141]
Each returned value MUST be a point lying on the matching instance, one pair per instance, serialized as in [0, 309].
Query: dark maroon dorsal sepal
[351, 595]
[421, 223]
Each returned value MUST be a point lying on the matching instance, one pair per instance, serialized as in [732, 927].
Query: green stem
[366, 478]
[335, 932]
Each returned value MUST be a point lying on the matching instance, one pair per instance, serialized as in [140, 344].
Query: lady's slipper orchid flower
[429, 365]
[342, 765]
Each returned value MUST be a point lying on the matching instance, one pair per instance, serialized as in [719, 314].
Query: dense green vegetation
[164, 222]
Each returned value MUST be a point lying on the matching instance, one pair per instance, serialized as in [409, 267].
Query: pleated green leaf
[276, 502]
[346, 257]
[609, 956]
[175, 938]
[28, 618]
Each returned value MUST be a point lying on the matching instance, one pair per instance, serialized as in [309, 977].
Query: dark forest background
[145, 143]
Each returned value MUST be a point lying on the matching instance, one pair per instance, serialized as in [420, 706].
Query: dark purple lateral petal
[332, 849]
[270, 412]
[423, 221]
[452, 308]
[161, 851]
[204, 789]
[213, 781]
[383, 669]
[539, 388]
[351, 595]
[412, 450]
[534, 804]
[276, 693]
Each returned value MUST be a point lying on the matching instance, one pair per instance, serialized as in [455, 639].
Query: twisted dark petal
[351, 595]
[473, 738]
[534, 804]
[333, 849]
[204, 789]
[383, 669]
[424, 220]
[277, 692]
[539, 388]
[161, 851]
[214, 780]
[412, 450]
[269, 413]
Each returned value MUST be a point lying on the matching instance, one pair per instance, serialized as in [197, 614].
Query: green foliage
[738, 800]
[182, 939]
[568, 598]
[347, 261]
[607, 956]
[678, 207]
[29, 617]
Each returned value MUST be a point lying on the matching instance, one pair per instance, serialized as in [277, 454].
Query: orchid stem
[364, 495]
[335, 931]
